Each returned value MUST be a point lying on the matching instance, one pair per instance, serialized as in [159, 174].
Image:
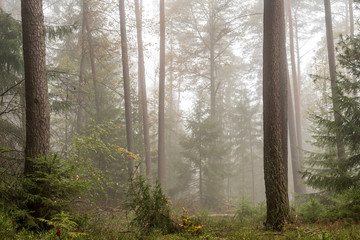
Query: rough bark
[142, 88]
[36, 87]
[274, 81]
[297, 162]
[126, 79]
[333, 79]
[161, 137]
[92, 60]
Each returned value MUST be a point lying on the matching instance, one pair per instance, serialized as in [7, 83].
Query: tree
[351, 19]
[296, 145]
[206, 32]
[92, 60]
[142, 88]
[36, 88]
[274, 79]
[126, 79]
[333, 79]
[161, 128]
[325, 171]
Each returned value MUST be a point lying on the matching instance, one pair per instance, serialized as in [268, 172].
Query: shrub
[46, 192]
[149, 205]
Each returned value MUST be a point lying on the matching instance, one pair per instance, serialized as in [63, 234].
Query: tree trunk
[252, 161]
[297, 162]
[92, 61]
[36, 86]
[298, 52]
[332, 67]
[298, 187]
[126, 79]
[142, 88]
[212, 63]
[274, 81]
[161, 137]
[351, 15]
[81, 81]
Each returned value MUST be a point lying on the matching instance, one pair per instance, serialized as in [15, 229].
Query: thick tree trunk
[161, 137]
[297, 163]
[36, 87]
[333, 78]
[126, 79]
[275, 79]
[142, 88]
[92, 61]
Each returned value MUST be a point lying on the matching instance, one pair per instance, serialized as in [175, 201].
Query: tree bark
[333, 79]
[92, 61]
[298, 187]
[142, 88]
[351, 16]
[161, 137]
[36, 86]
[81, 80]
[274, 81]
[126, 79]
[212, 62]
[297, 162]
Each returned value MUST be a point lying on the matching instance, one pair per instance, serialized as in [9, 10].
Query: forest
[180, 119]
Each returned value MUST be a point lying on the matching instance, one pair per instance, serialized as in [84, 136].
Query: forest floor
[116, 226]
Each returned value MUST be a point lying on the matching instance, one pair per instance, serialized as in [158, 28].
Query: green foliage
[11, 62]
[331, 207]
[42, 194]
[7, 226]
[150, 206]
[326, 171]
[64, 225]
[203, 154]
[188, 224]
[104, 164]
[247, 212]
[311, 211]
[59, 32]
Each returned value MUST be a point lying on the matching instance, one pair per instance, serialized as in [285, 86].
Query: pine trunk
[161, 137]
[126, 79]
[142, 88]
[36, 86]
[297, 162]
[333, 79]
[79, 119]
[351, 15]
[92, 60]
[274, 107]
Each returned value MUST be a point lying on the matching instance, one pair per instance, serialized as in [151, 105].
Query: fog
[213, 94]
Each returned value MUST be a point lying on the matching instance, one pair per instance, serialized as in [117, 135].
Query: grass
[115, 226]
